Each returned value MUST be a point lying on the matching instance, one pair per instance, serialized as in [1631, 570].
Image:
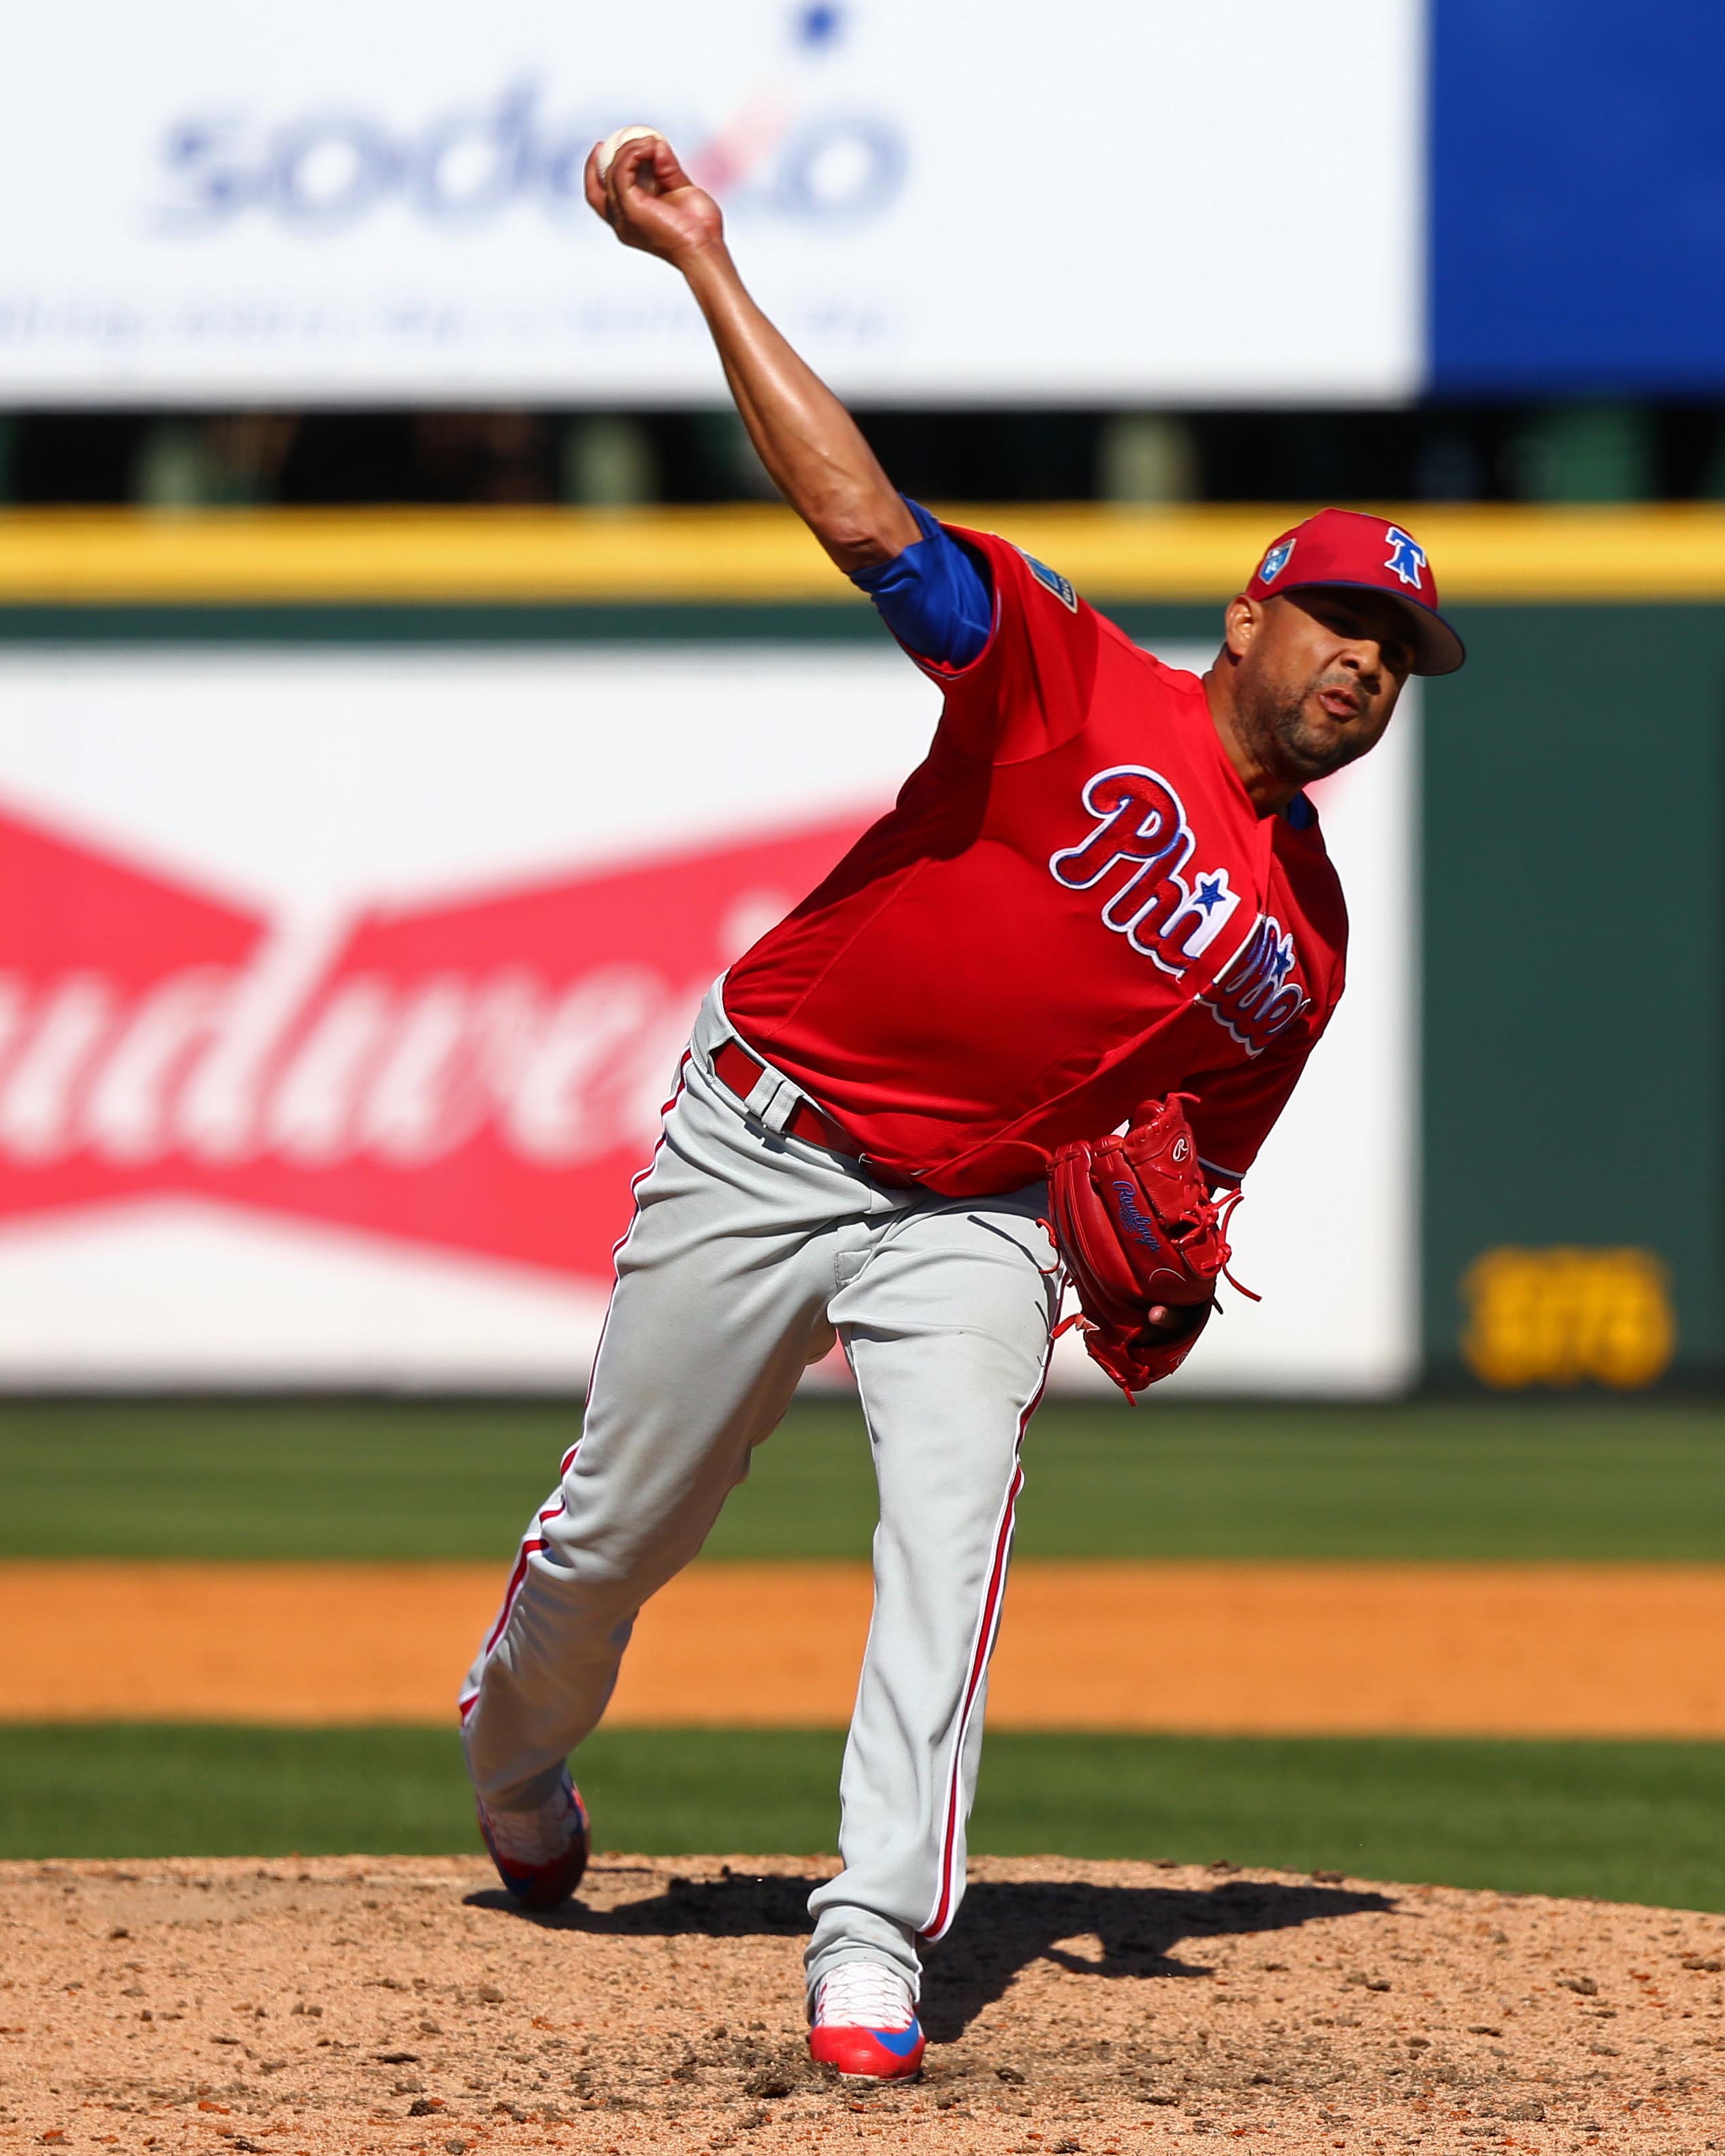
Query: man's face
[1317, 674]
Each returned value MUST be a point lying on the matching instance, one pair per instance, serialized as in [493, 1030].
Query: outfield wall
[362, 872]
[1572, 912]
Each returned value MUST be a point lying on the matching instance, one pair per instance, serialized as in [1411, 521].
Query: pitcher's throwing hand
[648, 199]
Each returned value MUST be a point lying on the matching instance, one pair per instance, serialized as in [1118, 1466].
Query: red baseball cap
[1345, 547]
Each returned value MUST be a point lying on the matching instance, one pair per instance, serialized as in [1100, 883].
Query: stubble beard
[1284, 739]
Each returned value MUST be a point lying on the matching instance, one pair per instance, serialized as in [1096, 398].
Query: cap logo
[1276, 560]
[1407, 556]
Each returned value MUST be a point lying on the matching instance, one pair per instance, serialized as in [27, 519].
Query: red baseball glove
[1140, 1234]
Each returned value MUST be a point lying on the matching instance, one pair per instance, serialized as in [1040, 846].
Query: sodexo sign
[324, 169]
[356, 198]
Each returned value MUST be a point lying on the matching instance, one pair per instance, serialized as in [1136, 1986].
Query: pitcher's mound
[400, 2003]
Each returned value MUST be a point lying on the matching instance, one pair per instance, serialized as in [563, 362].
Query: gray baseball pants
[749, 1251]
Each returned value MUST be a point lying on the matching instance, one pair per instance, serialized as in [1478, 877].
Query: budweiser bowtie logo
[485, 1074]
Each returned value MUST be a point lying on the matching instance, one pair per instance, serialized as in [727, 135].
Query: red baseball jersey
[1073, 908]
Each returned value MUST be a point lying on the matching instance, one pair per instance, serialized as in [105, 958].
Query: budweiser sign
[482, 1073]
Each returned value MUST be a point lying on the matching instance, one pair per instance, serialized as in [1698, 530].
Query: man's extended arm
[813, 449]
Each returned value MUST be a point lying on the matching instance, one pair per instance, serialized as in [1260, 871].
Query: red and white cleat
[864, 2023]
[540, 1855]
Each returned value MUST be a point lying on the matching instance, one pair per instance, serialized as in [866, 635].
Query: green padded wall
[1574, 901]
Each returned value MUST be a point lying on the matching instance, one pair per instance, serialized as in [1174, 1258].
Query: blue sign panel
[1578, 196]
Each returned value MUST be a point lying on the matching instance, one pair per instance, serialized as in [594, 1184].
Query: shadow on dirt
[1003, 1927]
[736, 1905]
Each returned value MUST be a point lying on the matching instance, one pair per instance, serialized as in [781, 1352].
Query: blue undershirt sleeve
[934, 597]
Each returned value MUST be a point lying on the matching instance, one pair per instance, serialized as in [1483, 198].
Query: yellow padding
[763, 554]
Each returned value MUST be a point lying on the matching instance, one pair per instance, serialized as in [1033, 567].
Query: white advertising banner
[1127, 200]
[340, 991]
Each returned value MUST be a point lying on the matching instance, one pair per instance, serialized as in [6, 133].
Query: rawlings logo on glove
[1133, 1220]
[1140, 1234]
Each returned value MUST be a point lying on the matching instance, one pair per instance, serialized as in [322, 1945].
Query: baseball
[613, 143]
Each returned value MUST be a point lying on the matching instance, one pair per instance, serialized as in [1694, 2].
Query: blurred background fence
[410, 697]
[363, 872]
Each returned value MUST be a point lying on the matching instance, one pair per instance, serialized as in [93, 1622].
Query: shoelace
[536, 1837]
[863, 1995]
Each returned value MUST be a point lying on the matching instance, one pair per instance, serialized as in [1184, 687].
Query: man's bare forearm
[813, 451]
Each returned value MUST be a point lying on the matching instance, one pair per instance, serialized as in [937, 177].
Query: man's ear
[1239, 624]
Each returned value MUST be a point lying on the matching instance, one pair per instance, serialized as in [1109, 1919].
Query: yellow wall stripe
[314, 557]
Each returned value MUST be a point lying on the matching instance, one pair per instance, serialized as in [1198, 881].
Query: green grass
[452, 1480]
[1598, 1479]
[1624, 1821]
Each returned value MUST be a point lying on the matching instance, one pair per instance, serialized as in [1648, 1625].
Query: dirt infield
[1251, 1648]
[339, 2006]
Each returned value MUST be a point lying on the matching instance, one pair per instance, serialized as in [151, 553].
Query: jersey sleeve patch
[1051, 580]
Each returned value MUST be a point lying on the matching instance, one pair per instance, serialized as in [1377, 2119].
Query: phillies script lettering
[1141, 843]
[484, 1074]
[1139, 851]
[1258, 997]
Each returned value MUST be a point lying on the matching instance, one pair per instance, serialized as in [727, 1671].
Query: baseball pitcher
[1072, 976]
